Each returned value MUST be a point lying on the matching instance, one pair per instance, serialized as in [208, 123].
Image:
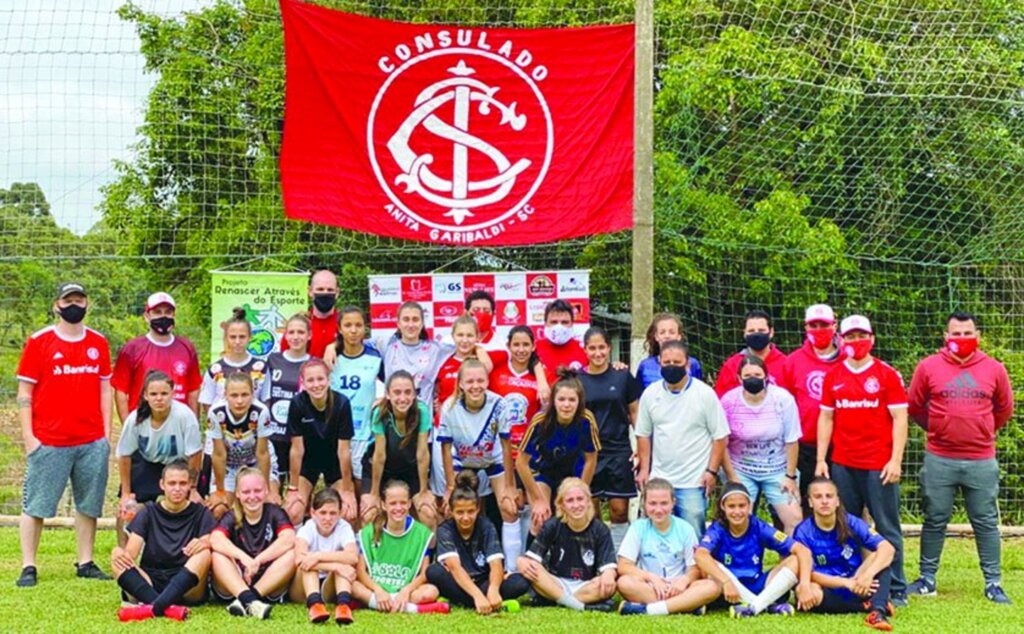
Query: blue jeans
[692, 505]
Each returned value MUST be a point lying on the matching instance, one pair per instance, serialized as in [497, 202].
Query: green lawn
[63, 603]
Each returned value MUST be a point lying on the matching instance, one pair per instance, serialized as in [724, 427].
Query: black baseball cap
[70, 288]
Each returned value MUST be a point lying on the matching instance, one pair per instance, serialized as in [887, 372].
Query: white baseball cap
[819, 312]
[160, 298]
[855, 322]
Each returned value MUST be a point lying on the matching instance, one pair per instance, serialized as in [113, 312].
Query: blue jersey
[831, 557]
[561, 454]
[743, 555]
[356, 378]
[650, 371]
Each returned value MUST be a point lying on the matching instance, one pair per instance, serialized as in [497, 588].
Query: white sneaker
[235, 608]
[260, 610]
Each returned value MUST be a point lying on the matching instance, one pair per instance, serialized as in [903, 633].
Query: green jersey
[395, 561]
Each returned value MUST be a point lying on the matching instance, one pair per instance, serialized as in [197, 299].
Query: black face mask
[324, 302]
[72, 313]
[757, 340]
[673, 374]
[753, 384]
[161, 325]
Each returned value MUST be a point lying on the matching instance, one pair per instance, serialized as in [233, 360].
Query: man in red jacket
[961, 397]
[757, 334]
[803, 374]
[323, 315]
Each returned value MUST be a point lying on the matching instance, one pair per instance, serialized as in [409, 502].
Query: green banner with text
[268, 300]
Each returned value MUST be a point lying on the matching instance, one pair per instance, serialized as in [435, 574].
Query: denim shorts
[769, 487]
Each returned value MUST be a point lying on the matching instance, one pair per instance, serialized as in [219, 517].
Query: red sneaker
[878, 621]
[135, 613]
[343, 615]
[176, 612]
[318, 613]
[433, 608]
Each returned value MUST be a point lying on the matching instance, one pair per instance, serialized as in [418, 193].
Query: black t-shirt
[476, 553]
[255, 538]
[320, 432]
[571, 555]
[399, 462]
[608, 397]
[166, 534]
[279, 388]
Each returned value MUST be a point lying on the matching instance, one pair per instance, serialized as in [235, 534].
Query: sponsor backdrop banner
[457, 135]
[520, 298]
[268, 299]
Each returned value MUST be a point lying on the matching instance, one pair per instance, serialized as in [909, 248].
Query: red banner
[457, 135]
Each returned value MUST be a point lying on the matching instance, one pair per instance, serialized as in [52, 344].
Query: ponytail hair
[237, 317]
[412, 417]
[382, 516]
[563, 489]
[236, 505]
[531, 363]
[144, 411]
[843, 532]
[413, 306]
[466, 488]
[339, 341]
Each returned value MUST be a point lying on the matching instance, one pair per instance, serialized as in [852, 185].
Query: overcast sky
[72, 93]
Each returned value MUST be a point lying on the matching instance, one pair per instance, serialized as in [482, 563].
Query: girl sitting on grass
[326, 556]
[732, 552]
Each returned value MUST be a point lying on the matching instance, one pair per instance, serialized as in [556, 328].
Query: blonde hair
[563, 489]
[472, 363]
[236, 506]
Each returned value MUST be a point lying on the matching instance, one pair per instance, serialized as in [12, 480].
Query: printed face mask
[962, 347]
[820, 338]
[858, 349]
[558, 334]
[161, 325]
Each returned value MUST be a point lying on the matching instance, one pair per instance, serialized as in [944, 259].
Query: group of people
[477, 470]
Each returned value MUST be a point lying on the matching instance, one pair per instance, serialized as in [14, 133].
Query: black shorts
[409, 477]
[278, 598]
[160, 577]
[282, 446]
[145, 479]
[312, 472]
[613, 477]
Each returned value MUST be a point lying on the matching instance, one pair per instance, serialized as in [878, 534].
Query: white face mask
[558, 335]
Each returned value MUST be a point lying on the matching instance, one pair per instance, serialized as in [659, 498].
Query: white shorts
[437, 478]
[571, 586]
[358, 449]
[231, 473]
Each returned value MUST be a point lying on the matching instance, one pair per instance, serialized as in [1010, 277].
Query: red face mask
[483, 320]
[962, 347]
[858, 349]
[820, 338]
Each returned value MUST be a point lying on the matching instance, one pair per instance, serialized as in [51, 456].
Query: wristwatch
[791, 477]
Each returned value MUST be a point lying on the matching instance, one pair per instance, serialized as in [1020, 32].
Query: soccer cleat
[343, 615]
[899, 599]
[600, 606]
[922, 588]
[89, 570]
[236, 608]
[877, 620]
[510, 605]
[29, 577]
[135, 613]
[701, 611]
[741, 611]
[318, 613]
[781, 609]
[176, 612]
[259, 609]
[434, 608]
[630, 608]
[994, 593]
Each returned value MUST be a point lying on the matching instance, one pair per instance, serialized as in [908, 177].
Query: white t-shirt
[682, 427]
[475, 436]
[337, 540]
[668, 555]
[177, 438]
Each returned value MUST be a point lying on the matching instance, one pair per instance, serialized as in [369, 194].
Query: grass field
[63, 603]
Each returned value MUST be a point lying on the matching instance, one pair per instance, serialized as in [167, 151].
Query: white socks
[776, 587]
[511, 544]
[658, 608]
[569, 601]
[619, 534]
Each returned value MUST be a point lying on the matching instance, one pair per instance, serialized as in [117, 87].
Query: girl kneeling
[469, 568]
[843, 581]
[252, 549]
[395, 552]
[658, 572]
[732, 550]
[571, 561]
